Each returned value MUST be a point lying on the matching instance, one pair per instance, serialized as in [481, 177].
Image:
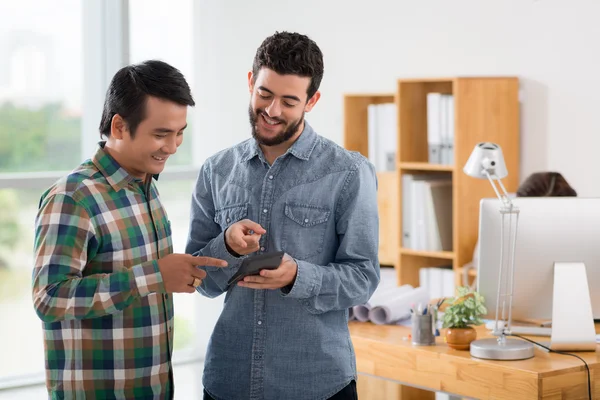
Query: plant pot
[460, 338]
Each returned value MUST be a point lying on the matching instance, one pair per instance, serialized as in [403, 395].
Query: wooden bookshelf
[486, 109]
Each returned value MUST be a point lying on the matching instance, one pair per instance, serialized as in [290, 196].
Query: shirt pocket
[304, 228]
[229, 215]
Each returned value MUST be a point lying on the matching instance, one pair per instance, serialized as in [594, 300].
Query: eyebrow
[285, 97]
[167, 130]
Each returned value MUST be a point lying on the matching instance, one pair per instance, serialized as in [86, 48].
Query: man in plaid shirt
[104, 266]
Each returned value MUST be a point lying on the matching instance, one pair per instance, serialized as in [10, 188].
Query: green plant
[464, 310]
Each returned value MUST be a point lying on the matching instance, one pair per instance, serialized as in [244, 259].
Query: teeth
[158, 158]
[269, 120]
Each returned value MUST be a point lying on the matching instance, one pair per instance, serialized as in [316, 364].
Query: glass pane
[40, 85]
[163, 30]
[22, 344]
[176, 197]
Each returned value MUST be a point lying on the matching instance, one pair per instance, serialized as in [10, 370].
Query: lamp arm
[503, 196]
[506, 271]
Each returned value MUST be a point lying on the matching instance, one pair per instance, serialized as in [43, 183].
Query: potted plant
[460, 314]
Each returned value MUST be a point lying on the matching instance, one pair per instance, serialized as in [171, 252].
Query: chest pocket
[229, 215]
[304, 230]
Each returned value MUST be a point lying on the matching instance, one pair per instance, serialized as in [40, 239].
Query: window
[57, 60]
[40, 130]
[40, 85]
[20, 338]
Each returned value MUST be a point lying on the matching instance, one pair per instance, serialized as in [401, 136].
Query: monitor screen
[550, 229]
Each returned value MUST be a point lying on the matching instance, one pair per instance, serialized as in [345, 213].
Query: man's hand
[283, 276]
[180, 272]
[243, 237]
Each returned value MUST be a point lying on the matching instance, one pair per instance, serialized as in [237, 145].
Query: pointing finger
[207, 261]
[252, 227]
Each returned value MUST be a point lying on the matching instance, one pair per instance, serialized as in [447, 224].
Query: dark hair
[290, 53]
[545, 184]
[130, 87]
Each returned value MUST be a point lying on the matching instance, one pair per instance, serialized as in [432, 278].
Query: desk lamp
[487, 162]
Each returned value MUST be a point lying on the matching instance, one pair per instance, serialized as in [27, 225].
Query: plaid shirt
[97, 288]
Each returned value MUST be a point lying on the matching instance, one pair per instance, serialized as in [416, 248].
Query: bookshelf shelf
[485, 109]
[446, 255]
[423, 166]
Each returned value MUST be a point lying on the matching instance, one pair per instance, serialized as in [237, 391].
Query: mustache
[260, 111]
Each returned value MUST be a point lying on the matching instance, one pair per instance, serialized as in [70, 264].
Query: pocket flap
[306, 215]
[231, 214]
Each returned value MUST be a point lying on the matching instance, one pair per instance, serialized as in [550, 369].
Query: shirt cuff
[307, 282]
[146, 278]
[219, 250]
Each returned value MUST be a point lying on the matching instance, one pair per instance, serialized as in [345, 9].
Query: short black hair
[290, 53]
[130, 87]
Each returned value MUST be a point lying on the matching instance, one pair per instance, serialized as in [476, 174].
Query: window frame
[105, 30]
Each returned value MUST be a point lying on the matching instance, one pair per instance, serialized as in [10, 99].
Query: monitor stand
[572, 319]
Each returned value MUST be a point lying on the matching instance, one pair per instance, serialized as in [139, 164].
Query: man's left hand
[283, 276]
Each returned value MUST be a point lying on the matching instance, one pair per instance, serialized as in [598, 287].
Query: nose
[171, 145]
[274, 109]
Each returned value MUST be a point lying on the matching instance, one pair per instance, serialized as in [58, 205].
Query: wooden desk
[381, 351]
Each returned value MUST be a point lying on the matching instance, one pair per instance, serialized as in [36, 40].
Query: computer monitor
[550, 230]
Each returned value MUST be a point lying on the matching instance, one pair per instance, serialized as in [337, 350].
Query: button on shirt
[97, 286]
[318, 203]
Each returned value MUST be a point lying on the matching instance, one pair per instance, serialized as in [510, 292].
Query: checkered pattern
[97, 288]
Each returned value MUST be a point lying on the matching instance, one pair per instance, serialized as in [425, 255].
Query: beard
[288, 132]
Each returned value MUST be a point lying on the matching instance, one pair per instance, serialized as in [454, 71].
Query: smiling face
[277, 106]
[156, 138]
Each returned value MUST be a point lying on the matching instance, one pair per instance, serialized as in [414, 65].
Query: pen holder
[422, 330]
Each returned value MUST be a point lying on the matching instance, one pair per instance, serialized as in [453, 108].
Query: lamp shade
[488, 157]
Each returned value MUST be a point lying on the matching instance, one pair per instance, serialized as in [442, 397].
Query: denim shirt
[318, 203]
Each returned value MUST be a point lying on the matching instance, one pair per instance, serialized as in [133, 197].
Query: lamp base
[511, 349]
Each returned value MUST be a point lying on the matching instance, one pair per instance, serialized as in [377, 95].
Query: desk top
[542, 363]
[386, 351]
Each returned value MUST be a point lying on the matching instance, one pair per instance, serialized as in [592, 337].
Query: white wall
[553, 46]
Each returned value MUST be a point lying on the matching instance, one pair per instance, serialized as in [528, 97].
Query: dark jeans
[347, 393]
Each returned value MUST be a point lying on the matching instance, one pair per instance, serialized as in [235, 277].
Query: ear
[250, 82]
[312, 101]
[118, 127]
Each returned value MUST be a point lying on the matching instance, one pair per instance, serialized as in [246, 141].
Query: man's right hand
[243, 237]
[180, 271]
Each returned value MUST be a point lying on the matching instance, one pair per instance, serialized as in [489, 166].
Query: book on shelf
[440, 128]
[427, 212]
[382, 136]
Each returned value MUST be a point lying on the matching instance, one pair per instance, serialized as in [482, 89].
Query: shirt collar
[304, 146]
[116, 175]
[301, 149]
